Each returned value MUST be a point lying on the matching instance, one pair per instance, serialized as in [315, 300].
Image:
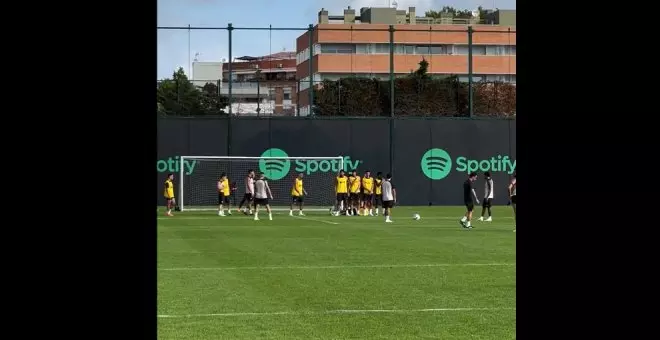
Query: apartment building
[266, 82]
[206, 72]
[358, 45]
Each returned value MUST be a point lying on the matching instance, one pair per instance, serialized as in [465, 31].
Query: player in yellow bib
[224, 191]
[341, 190]
[378, 197]
[354, 183]
[168, 193]
[298, 194]
[367, 193]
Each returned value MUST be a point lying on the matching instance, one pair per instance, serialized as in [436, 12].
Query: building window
[338, 48]
[439, 49]
[496, 50]
[511, 50]
[422, 50]
[478, 50]
[380, 49]
[430, 49]
[287, 93]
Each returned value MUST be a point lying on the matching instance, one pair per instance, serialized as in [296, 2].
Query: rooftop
[274, 56]
[394, 16]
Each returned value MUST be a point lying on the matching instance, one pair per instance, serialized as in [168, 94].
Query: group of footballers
[257, 193]
[470, 198]
[357, 196]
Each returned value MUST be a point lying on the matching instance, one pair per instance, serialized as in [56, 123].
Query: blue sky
[212, 44]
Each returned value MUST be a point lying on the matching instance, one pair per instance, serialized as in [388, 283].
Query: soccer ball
[416, 217]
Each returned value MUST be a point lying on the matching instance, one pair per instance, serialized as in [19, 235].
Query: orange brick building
[274, 75]
[359, 46]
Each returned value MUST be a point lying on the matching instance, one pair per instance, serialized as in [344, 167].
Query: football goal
[199, 175]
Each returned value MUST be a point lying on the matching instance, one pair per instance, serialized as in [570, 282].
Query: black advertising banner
[432, 157]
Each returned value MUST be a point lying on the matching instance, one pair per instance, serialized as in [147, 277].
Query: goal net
[199, 175]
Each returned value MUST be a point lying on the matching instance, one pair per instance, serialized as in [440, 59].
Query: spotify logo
[436, 164]
[274, 169]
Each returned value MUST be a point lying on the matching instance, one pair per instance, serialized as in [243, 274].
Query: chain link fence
[343, 70]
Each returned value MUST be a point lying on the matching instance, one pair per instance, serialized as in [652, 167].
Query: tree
[419, 94]
[460, 14]
[178, 96]
[422, 71]
[211, 100]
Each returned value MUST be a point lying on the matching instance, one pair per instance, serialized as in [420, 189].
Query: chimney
[349, 16]
[412, 16]
[323, 16]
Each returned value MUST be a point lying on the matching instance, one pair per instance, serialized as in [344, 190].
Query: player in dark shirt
[469, 198]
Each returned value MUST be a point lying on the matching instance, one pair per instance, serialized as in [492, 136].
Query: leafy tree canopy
[179, 97]
[459, 14]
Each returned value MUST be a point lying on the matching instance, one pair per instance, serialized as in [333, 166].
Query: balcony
[246, 89]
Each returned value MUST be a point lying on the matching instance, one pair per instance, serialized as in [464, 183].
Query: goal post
[199, 175]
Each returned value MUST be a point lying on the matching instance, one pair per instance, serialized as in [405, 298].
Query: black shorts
[487, 202]
[355, 196]
[388, 204]
[513, 199]
[297, 199]
[260, 201]
[222, 199]
[367, 197]
[378, 198]
[342, 196]
[168, 199]
[247, 197]
[469, 205]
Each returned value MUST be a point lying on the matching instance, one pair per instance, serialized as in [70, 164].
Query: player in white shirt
[488, 197]
[249, 194]
[261, 195]
[389, 197]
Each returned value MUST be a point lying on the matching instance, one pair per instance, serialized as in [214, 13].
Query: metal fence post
[230, 28]
[391, 99]
[310, 32]
[391, 70]
[470, 97]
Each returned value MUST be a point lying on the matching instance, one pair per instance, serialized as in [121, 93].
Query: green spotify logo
[274, 169]
[436, 164]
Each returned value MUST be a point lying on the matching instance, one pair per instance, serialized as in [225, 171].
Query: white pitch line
[346, 267]
[315, 220]
[368, 218]
[337, 311]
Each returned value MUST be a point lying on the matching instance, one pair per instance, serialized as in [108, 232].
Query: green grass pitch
[325, 277]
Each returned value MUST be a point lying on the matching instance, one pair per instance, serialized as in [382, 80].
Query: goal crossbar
[182, 175]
